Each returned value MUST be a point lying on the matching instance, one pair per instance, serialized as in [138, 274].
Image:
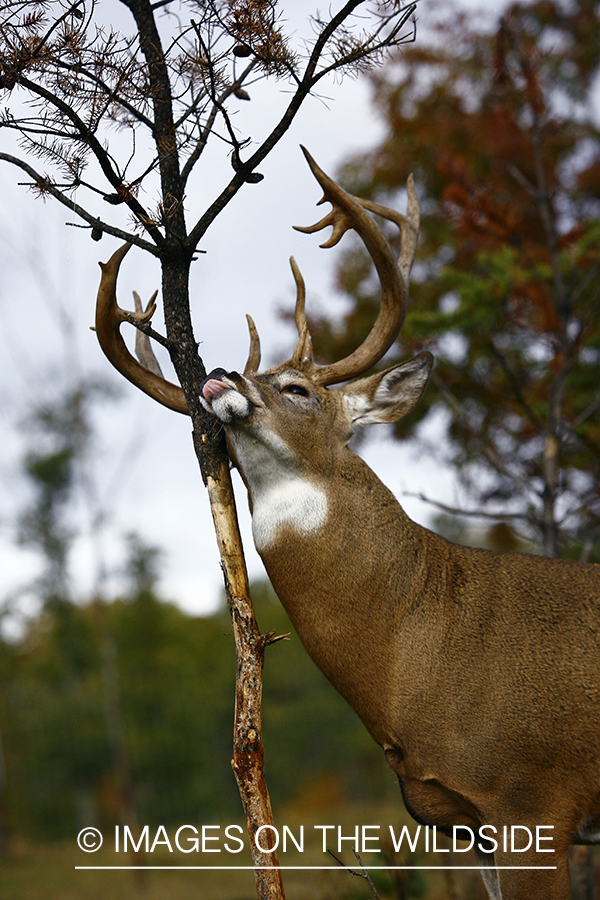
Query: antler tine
[251, 367]
[408, 225]
[143, 347]
[350, 212]
[303, 354]
[109, 317]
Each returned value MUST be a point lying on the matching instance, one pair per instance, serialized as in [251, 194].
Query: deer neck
[350, 549]
[331, 545]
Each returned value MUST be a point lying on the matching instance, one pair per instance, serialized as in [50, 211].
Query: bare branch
[45, 186]
[471, 513]
[112, 93]
[364, 874]
[89, 139]
[305, 85]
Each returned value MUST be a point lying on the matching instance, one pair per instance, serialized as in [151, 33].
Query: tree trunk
[116, 739]
[209, 443]
[248, 755]
[4, 833]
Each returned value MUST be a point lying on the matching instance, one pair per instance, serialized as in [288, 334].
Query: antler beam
[351, 212]
[109, 317]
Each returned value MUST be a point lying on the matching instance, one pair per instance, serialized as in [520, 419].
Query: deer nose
[220, 373]
[217, 374]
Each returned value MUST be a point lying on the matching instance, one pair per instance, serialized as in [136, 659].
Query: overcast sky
[144, 469]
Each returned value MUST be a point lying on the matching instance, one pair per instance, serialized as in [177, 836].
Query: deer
[477, 672]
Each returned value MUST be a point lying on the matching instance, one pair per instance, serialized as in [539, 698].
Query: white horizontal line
[300, 868]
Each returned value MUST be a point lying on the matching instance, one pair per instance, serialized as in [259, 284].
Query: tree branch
[111, 93]
[489, 452]
[364, 874]
[164, 128]
[516, 387]
[90, 140]
[45, 186]
[310, 78]
[470, 513]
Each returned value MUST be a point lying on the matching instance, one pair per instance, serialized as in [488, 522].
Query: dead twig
[364, 874]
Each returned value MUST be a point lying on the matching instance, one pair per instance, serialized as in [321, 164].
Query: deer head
[298, 383]
[268, 417]
[286, 426]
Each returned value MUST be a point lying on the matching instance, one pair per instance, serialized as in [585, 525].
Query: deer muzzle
[219, 395]
[217, 381]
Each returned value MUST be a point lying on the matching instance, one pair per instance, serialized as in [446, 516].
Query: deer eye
[295, 389]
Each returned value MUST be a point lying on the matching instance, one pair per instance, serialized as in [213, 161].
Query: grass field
[49, 873]
[54, 871]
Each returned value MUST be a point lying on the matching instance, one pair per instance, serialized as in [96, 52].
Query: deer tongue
[212, 387]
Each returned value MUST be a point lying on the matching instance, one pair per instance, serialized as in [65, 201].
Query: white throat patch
[281, 496]
[294, 503]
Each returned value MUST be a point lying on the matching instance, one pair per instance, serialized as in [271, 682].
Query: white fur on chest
[293, 503]
[281, 497]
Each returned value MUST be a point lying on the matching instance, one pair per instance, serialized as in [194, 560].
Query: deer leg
[530, 875]
[520, 883]
[490, 882]
[489, 874]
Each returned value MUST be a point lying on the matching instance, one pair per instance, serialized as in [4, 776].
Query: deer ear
[389, 395]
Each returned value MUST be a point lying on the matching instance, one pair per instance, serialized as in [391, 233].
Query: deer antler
[109, 317]
[251, 367]
[347, 212]
[350, 212]
[303, 351]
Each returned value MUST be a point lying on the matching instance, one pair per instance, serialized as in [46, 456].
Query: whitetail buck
[478, 673]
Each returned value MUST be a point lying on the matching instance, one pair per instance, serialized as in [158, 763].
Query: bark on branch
[248, 755]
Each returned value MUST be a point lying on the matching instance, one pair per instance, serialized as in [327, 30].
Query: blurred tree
[175, 675]
[500, 129]
[59, 472]
[117, 711]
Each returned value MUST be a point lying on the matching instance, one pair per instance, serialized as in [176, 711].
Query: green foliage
[498, 128]
[175, 687]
